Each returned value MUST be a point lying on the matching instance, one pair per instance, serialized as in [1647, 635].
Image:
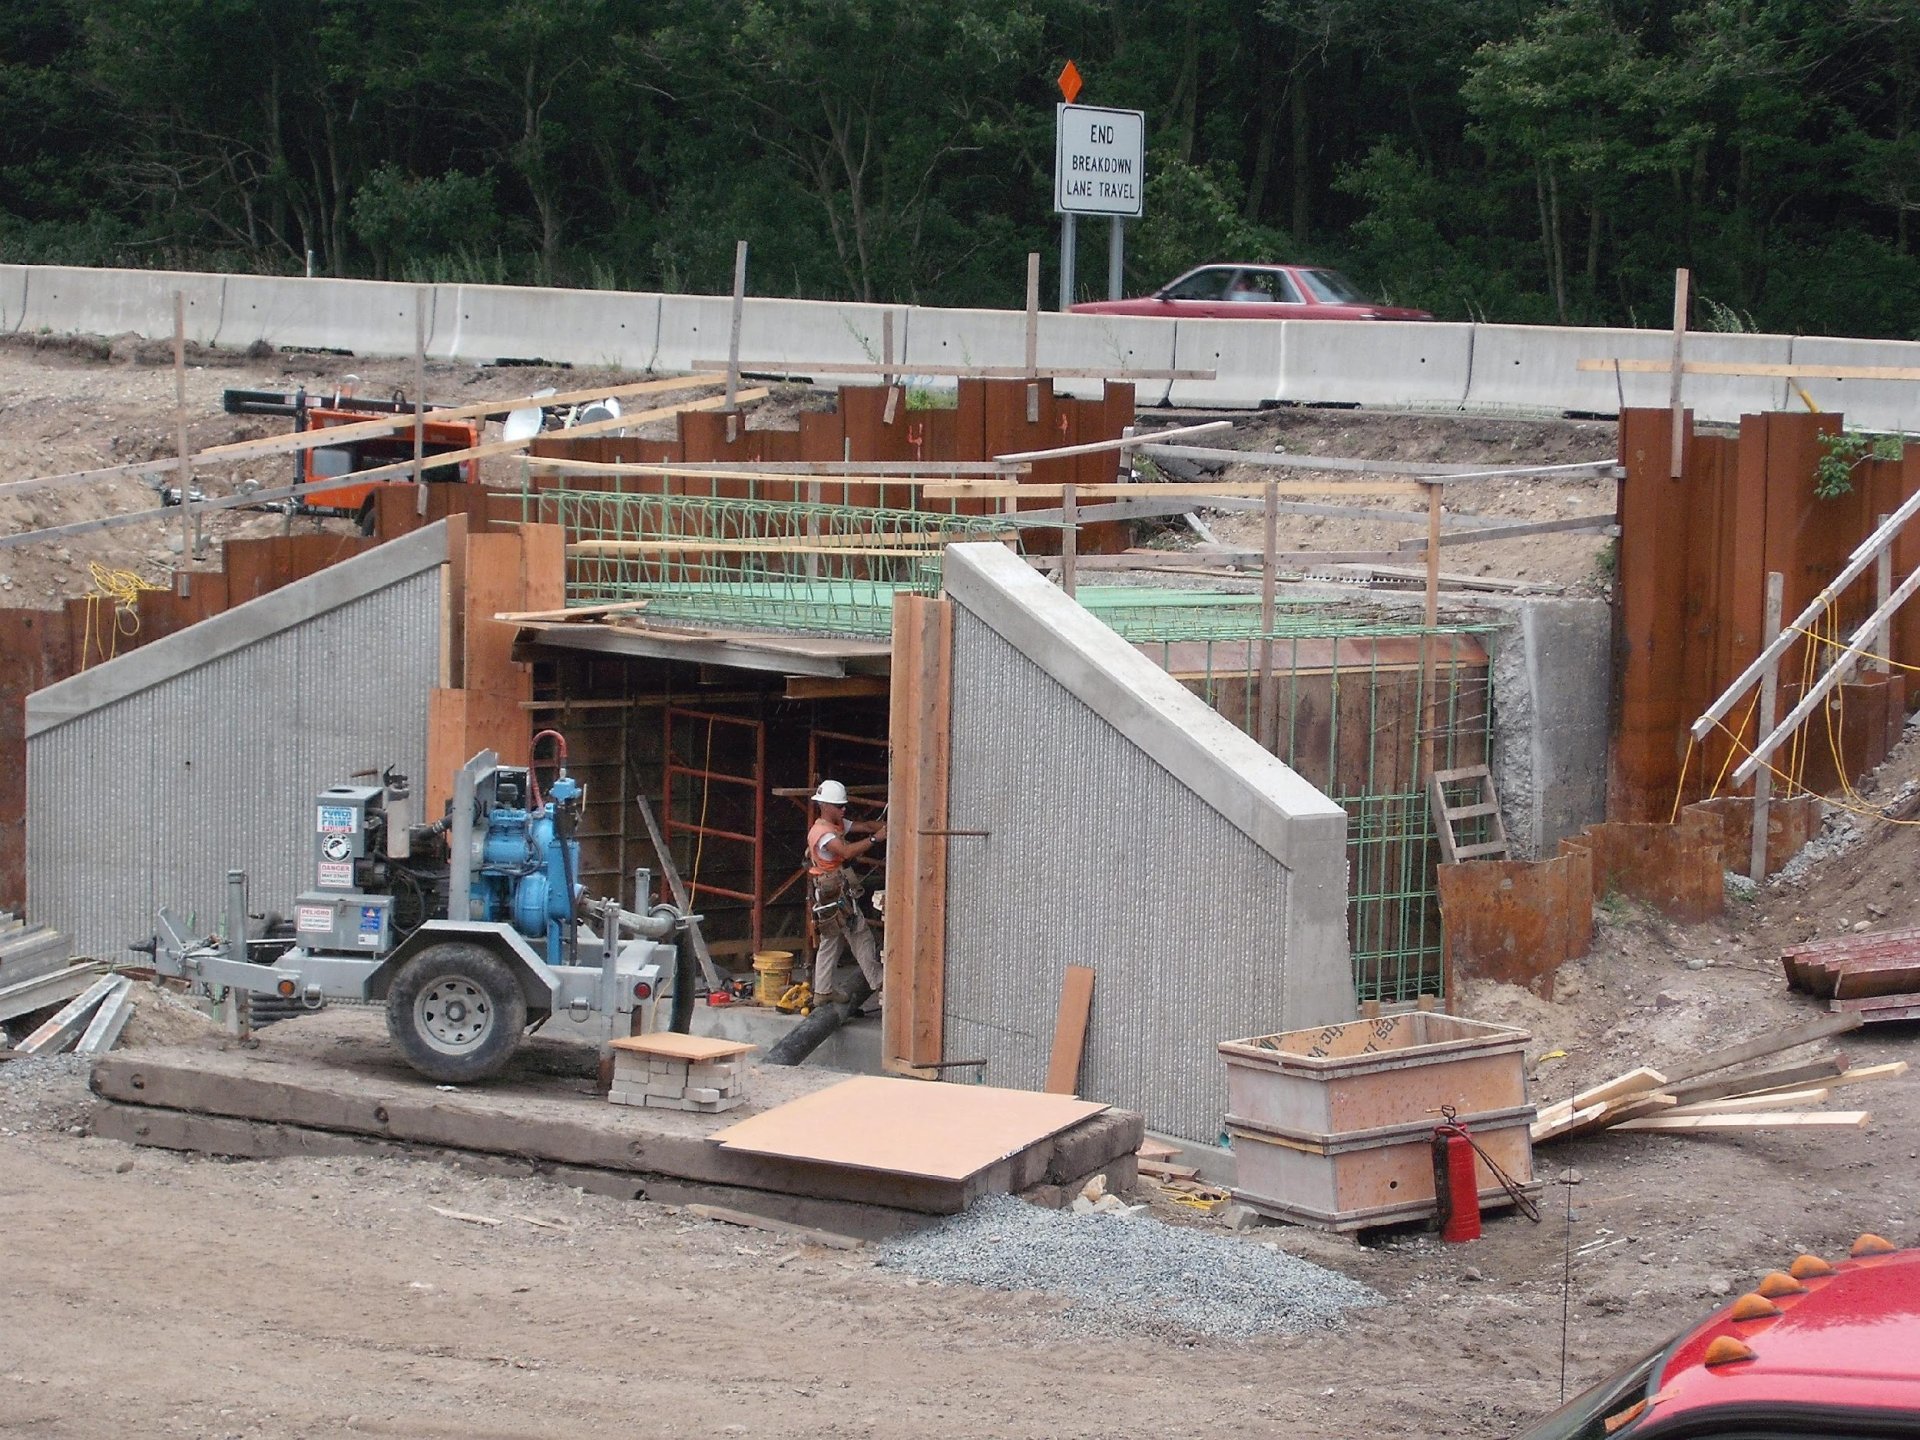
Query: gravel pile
[46, 1092]
[1839, 833]
[1129, 1276]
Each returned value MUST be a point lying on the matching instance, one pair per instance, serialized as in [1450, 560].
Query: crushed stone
[1127, 1276]
[45, 1092]
[1839, 833]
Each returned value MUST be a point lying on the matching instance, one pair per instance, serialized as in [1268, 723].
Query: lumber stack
[1711, 1093]
[1876, 977]
[61, 1003]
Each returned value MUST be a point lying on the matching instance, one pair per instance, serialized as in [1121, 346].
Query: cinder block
[669, 1102]
[618, 1099]
[702, 1095]
[711, 1073]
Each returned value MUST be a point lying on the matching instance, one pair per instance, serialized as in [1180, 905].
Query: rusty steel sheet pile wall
[1517, 921]
[1132, 830]
[1678, 869]
[1694, 556]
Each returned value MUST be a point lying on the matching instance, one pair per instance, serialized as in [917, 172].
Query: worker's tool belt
[836, 901]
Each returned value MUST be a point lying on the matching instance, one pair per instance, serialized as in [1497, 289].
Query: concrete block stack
[679, 1072]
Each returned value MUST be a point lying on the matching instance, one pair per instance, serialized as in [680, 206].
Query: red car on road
[1256, 292]
[1814, 1350]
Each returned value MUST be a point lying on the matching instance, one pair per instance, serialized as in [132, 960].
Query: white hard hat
[831, 792]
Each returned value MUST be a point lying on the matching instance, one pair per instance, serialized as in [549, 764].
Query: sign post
[1099, 168]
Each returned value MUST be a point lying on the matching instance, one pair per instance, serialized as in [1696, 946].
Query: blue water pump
[529, 869]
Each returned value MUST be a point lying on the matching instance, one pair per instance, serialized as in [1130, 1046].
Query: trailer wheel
[456, 1012]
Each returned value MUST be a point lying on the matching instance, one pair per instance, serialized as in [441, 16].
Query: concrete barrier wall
[13, 297]
[575, 327]
[1482, 368]
[1535, 367]
[369, 317]
[1874, 404]
[1377, 363]
[1202, 880]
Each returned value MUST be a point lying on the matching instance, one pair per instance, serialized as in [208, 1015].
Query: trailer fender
[537, 981]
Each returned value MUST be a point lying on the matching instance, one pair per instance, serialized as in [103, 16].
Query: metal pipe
[1864, 555]
[806, 1037]
[1821, 688]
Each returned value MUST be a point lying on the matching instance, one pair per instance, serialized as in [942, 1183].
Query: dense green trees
[1508, 159]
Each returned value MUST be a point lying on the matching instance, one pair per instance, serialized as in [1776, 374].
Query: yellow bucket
[772, 974]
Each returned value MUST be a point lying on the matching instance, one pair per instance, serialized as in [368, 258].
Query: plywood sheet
[669, 1046]
[907, 1127]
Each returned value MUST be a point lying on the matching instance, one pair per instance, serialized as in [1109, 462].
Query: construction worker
[836, 892]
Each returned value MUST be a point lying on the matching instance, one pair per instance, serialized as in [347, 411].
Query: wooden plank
[1161, 1170]
[1732, 1104]
[1543, 1131]
[933, 702]
[670, 1046]
[1764, 1045]
[1855, 1075]
[1788, 1077]
[780, 369]
[1070, 1031]
[1765, 1120]
[54, 988]
[569, 613]
[1569, 524]
[66, 1024]
[543, 567]
[1152, 489]
[103, 1031]
[1633, 1082]
[844, 687]
[905, 1127]
[805, 1234]
[494, 585]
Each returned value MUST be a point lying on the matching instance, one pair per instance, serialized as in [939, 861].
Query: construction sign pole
[1681, 281]
[1117, 259]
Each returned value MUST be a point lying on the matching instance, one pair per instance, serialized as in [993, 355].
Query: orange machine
[353, 499]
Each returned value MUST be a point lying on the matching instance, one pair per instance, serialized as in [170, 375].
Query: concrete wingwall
[1472, 367]
[1133, 830]
[150, 776]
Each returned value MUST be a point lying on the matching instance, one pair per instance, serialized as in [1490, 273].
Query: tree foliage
[1497, 159]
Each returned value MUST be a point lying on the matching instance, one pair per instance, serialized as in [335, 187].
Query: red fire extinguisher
[1455, 1185]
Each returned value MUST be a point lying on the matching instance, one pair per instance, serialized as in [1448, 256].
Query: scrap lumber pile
[1700, 1095]
[63, 1004]
[1876, 977]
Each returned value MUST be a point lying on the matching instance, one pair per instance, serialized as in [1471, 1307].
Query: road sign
[1069, 81]
[1099, 161]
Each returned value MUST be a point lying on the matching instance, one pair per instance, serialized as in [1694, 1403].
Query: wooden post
[739, 309]
[420, 402]
[185, 470]
[1430, 612]
[1267, 721]
[1882, 588]
[1033, 314]
[1681, 280]
[1769, 700]
[1069, 536]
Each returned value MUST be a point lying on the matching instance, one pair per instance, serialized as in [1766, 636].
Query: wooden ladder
[1486, 806]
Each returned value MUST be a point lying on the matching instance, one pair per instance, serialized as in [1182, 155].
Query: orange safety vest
[818, 864]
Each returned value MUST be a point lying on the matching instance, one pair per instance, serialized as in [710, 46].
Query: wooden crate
[1332, 1126]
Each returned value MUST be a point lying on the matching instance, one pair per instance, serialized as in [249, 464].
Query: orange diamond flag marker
[1069, 81]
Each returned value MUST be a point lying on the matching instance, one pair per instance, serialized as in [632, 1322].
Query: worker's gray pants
[857, 937]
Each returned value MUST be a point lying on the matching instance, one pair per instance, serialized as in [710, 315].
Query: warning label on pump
[314, 919]
[338, 819]
[336, 874]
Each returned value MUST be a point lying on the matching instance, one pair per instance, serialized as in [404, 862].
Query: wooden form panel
[916, 929]
[936, 1132]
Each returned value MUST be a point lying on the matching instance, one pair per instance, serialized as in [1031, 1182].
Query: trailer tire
[456, 1012]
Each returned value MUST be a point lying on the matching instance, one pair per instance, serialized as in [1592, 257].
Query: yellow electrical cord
[123, 588]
